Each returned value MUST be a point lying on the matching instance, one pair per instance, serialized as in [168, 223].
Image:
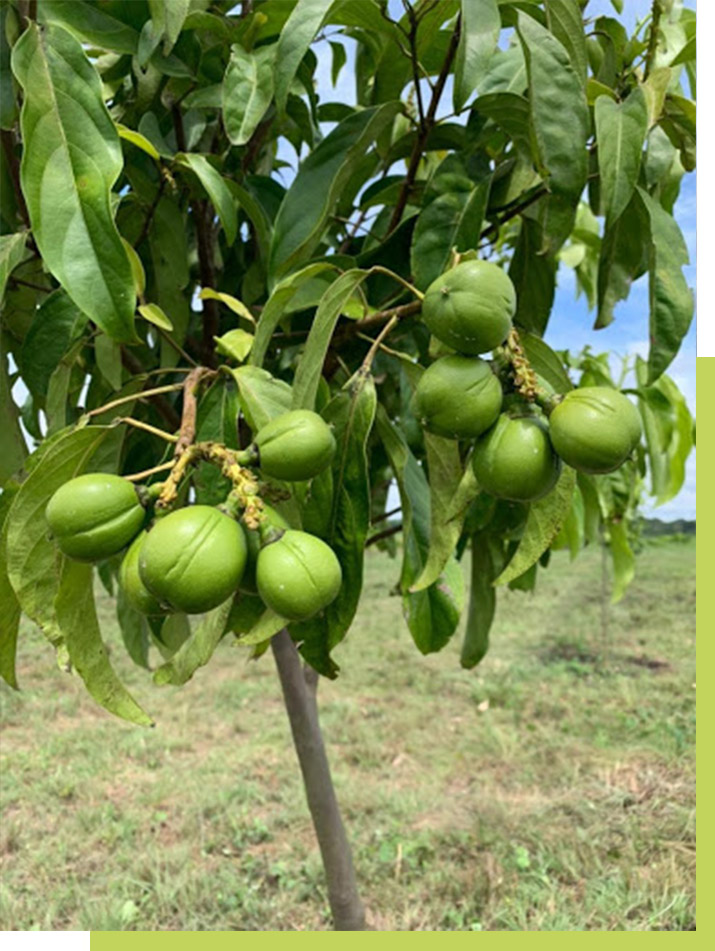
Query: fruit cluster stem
[525, 381]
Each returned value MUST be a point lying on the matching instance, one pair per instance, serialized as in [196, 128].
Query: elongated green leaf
[543, 523]
[135, 630]
[534, 277]
[8, 100]
[167, 20]
[13, 448]
[33, 561]
[136, 138]
[624, 561]
[623, 259]
[296, 36]
[247, 91]
[318, 185]
[262, 396]
[12, 249]
[268, 624]
[307, 376]
[58, 323]
[480, 26]
[108, 355]
[565, 21]
[558, 107]
[235, 344]
[546, 363]
[10, 614]
[511, 113]
[277, 304]
[197, 650]
[77, 619]
[71, 159]
[256, 215]
[233, 303]
[89, 23]
[155, 315]
[432, 615]
[620, 131]
[686, 55]
[217, 189]
[671, 300]
[482, 601]
[351, 413]
[58, 404]
[453, 220]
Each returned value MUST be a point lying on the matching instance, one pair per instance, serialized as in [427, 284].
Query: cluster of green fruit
[192, 559]
[517, 454]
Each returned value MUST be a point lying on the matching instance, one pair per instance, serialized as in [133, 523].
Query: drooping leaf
[558, 107]
[235, 344]
[13, 448]
[534, 277]
[262, 396]
[217, 190]
[247, 91]
[197, 650]
[90, 23]
[168, 19]
[351, 413]
[545, 518]
[620, 131]
[233, 303]
[71, 159]
[216, 421]
[565, 20]
[136, 138]
[108, 355]
[432, 615]
[8, 100]
[33, 560]
[671, 300]
[318, 185]
[134, 630]
[623, 259]
[624, 562]
[264, 628]
[339, 60]
[296, 36]
[57, 325]
[12, 249]
[77, 621]
[482, 601]
[10, 614]
[155, 315]
[546, 363]
[307, 376]
[480, 26]
[511, 113]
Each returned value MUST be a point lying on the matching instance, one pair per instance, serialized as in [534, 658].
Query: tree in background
[263, 362]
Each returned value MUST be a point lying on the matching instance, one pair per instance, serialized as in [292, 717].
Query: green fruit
[253, 546]
[515, 460]
[193, 559]
[595, 429]
[470, 307]
[458, 397]
[137, 593]
[295, 446]
[94, 516]
[298, 575]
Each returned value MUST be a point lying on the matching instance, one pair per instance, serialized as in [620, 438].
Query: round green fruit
[137, 593]
[94, 516]
[295, 446]
[458, 397]
[253, 546]
[470, 307]
[595, 429]
[193, 559]
[515, 460]
[298, 575]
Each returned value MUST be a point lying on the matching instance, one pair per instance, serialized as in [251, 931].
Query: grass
[552, 788]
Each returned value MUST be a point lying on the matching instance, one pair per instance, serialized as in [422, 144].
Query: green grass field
[552, 788]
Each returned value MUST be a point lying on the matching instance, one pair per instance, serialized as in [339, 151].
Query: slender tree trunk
[302, 709]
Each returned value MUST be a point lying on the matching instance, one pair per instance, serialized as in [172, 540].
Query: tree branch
[656, 13]
[393, 530]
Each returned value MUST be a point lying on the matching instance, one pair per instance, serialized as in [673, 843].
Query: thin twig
[130, 421]
[150, 214]
[393, 530]
[142, 394]
[370, 356]
[187, 432]
[381, 518]
[138, 476]
[172, 343]
[162, 405]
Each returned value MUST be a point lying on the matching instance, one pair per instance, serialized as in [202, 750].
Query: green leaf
[217, 190]
[546, 363]
[108, 355]
[233, 303]
[8, 99]
[267, 625]
[453, 220]
[480, 26]
[216, 421]
[324, 174]
[482, 602]
[58, 403]
[295, 39]
[558, 107]
[512, 114]
[432, 615]
[623, 259]
[534, 277]
[247, 91]
[262, 396]
[136, 138]
[13, 448]
[256, 215]
[565, 21]
[155, 315]
[686, 55]
[138, 272]
[168, 19]
[351, 413]
[12, 249]
[77, 619]
[134, 629]
[620, 131]
[339, 59]
[90, 24]
[235, 344]
[543, 523]
[277, 304]
[197, 650]
[33, 561]
[624, 561]
[307, 376]
[655, 89]
[10, 614]
[71, 159]
[57, 325]
[671, 300]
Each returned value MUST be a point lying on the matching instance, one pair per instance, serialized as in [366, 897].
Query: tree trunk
[302, 708]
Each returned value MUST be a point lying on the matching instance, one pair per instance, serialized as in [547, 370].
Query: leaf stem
[656, 13]
[130, 421]
[393, 530]
[379, 269]
[367, 362]
[169, 388]
[138, 476]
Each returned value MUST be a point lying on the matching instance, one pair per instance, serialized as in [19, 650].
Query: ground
[552, 788]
